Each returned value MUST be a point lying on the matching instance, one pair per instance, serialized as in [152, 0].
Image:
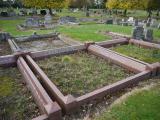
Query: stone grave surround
[140, 33]
[67, 20]
[32, 22]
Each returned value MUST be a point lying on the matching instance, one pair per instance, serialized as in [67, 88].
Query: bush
[43, 12]
[4, 14]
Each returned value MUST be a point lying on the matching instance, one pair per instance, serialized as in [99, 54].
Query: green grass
[81, 73]
[11, 27]
[90, 32]
[16, 102]
[143, 54]
[140, 105]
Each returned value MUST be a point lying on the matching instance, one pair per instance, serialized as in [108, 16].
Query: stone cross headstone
[137, 32]
[148, 34]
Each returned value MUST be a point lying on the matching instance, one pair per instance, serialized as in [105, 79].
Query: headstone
[136, 22]
[32, 22]
[109, 21]
[159, 26]
[124, 24]
[87, 14]
[148, 22]
[23, 12]
[148, 34]
[4, 36]
[48, 20]
[137, 32]
[117, 21]
[154, 23]
[131, 19]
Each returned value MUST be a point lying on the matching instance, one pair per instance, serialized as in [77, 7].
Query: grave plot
[81, 73]
[149, 55]
[16, 102]
[74, 78]
[4, 48]
[41, 44]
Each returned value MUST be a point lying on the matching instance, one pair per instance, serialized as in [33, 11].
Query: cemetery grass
[143, 54]
[139, 104]
[11, 27]
[91, 32]
[81, 73]
[16, 102]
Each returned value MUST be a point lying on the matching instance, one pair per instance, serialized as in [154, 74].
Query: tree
[81, 3]
[151, 5]
[148, 5]
[49, 4]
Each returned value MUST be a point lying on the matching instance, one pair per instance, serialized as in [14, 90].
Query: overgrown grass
[143, 54]
[11, 27]
[140, 105]
[4, 48]
[16, 103]
[81, 73]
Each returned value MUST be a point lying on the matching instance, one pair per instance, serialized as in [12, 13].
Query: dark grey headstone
[136, 22]
[4, 36]
[137, 33]
[148, 34]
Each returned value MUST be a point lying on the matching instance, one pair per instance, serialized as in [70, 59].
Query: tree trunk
[158, 12]
[50, 11]
[149, 13]
[125, 12]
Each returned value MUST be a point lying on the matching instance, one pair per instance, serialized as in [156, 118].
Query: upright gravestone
[154, 23]
[4, 36]
[117, 21]
[148, 22]
[136, 22]
[148, 34]
[48, 20]
[159, 26]
[124, 22]
[137, 33]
